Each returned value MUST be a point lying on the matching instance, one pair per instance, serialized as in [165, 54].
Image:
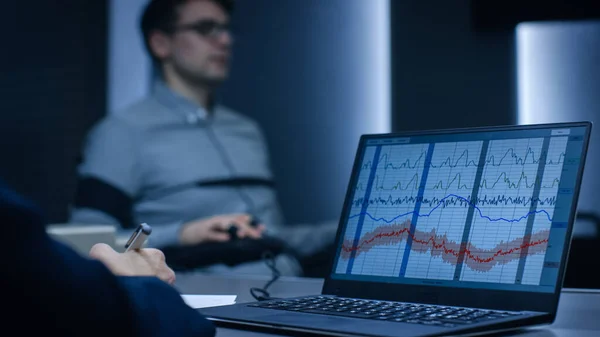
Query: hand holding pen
[135, 261]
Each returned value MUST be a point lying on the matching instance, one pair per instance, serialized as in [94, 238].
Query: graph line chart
[476, 211]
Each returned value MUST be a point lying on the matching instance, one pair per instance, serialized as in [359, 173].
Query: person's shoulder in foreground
[53, 290]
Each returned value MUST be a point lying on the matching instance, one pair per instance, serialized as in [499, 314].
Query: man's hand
[215, 229]
[142, 262]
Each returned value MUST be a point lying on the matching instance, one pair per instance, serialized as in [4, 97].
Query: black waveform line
[414, 183]
[503, 178]
[515, 159]
[388, 164]
[457, 178]
[510, 155]
[448, 161]
[499, 200]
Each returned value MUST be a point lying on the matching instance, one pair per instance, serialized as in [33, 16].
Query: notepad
[205, 301]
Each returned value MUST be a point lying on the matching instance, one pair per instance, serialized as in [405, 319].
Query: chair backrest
[583, 263]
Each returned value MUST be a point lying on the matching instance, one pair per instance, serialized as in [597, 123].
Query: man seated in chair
[180, 161]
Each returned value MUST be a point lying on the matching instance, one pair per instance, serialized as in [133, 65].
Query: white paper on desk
[205, 301]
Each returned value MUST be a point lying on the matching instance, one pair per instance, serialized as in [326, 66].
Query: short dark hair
[162, 15]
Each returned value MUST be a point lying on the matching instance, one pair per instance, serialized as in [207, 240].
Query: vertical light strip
[524, 79]
[380, 87]
[557, 79]
[129, 69]
[370, 46]
[537, 73]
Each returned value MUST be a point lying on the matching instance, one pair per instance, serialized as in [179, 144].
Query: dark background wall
[504, 15]
[52, 88]
[446, 73]
[315, 75]
[454, 61]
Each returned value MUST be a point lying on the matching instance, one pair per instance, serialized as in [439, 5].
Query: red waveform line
[476, 258]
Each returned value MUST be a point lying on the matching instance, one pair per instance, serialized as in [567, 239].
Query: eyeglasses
[206, 28]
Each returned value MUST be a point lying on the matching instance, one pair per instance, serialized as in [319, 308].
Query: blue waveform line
[463, 199]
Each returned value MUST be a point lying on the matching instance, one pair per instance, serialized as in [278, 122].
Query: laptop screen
[472, 209]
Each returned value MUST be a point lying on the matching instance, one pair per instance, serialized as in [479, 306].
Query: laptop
[443, 232]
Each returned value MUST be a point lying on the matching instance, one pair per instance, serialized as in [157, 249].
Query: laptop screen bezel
[453, 296]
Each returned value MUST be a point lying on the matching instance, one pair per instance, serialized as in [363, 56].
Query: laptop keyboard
[386, 311]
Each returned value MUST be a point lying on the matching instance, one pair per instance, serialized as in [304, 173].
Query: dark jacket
[53, 290]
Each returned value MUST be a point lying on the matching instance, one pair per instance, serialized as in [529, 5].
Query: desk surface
[578, 312]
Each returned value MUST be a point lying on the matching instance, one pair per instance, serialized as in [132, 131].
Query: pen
[138, 237]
